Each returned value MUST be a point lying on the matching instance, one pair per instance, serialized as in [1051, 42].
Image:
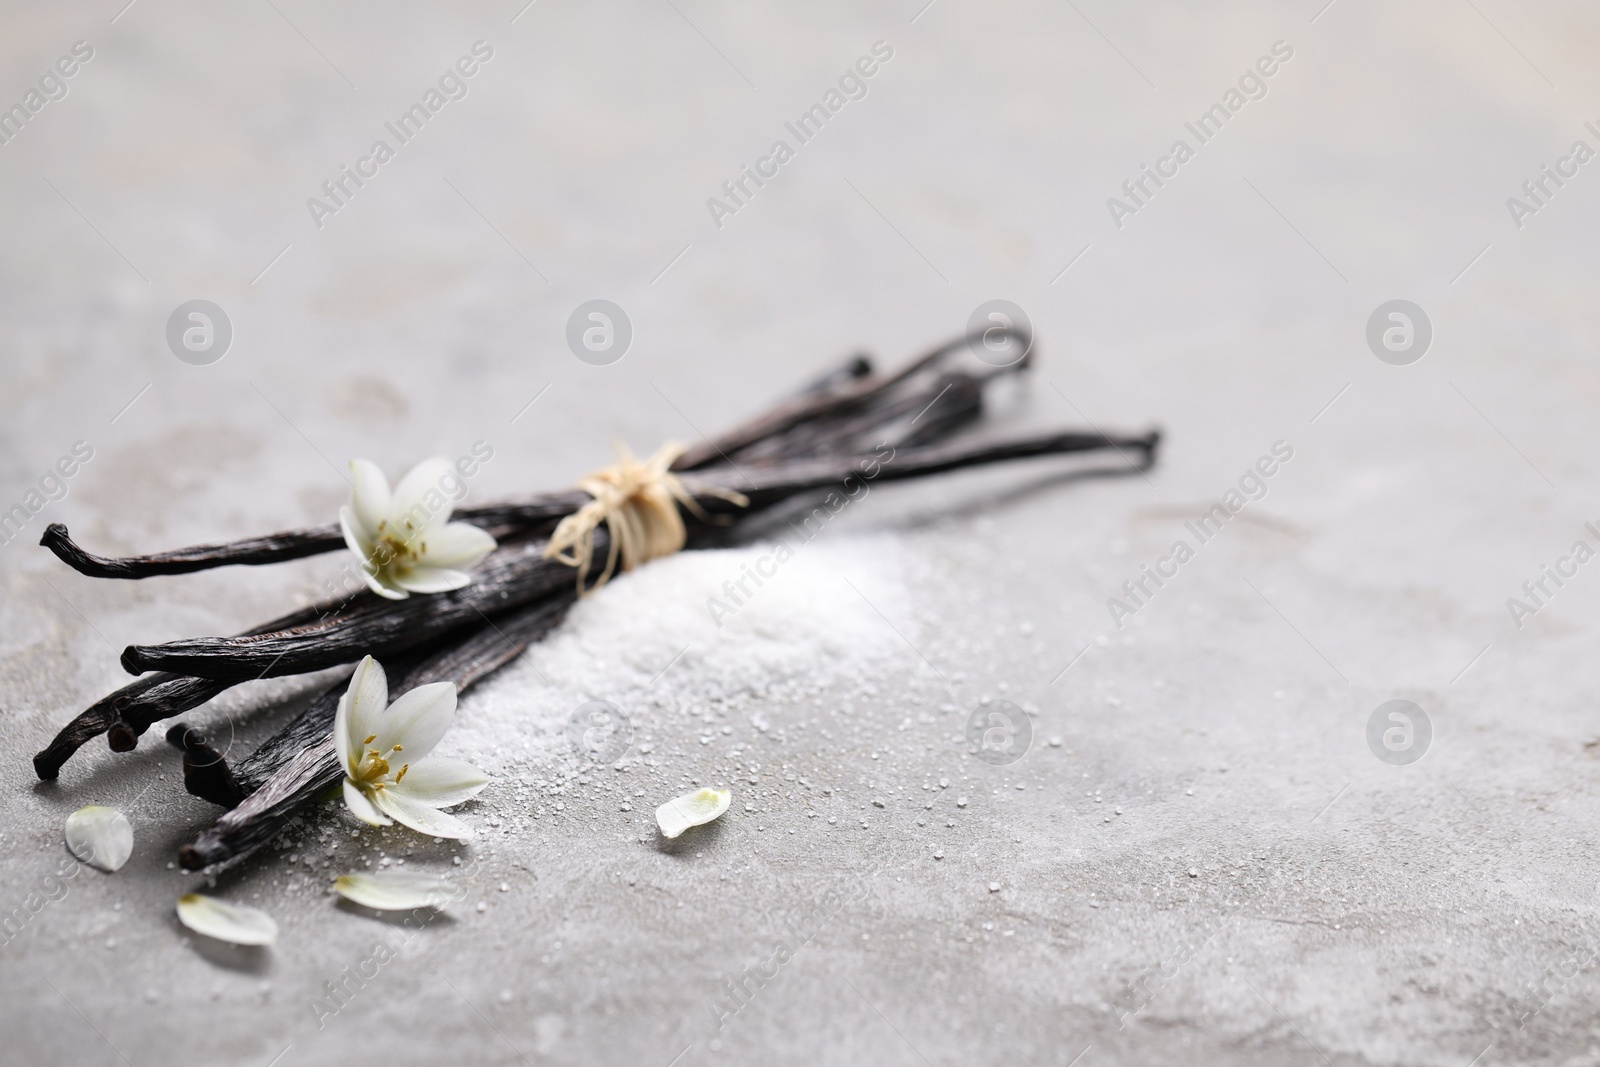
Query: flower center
[373, 767]
[391, 549]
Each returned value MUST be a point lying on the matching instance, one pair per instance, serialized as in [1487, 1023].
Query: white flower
[404, 539]
[691, 809]
[389, 776]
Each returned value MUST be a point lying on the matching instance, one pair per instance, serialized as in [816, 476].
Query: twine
[638, 502]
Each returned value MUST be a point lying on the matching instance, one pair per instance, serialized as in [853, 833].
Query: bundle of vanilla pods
[853, 425]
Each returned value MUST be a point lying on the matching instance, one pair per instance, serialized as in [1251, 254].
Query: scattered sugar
[649, 643]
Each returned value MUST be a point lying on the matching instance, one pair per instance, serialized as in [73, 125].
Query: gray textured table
[1201, 859]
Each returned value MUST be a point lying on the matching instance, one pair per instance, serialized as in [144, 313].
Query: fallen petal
[99, 836]
[691, 809]
[236, 923]
[395, 891]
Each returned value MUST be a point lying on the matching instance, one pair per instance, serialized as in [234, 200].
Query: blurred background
[1350, 909]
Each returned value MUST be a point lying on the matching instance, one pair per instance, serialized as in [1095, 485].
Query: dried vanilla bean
[817, 441]
[774, 484]
[857, 366]
[298, 765]
[927, 415]
[151, 699]
[512, 576]
[849, 425]
[916, 410]
[849, 391]
[464, 659]
[499, 519]
[160, 690]
[792, 417]
[262, 815]
[133, 709]
[516, 575]
[252, 551]
[205, 770]
[176, 693]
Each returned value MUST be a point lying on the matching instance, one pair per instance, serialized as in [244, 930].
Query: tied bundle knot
[638, 502]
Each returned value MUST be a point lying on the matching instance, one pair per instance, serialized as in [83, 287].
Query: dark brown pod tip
[46, 767]
[122, 737]
[205, 770]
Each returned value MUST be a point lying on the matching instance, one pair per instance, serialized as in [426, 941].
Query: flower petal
[395, 890]
[380, 584]
[101, 837]
[432, 579]
[439, 782]
[460, 545]
[415, 722]
[341, 735]
[420, 817]
[359, 711]
[418, 503]
[361, 807]
[691, 809]
[356, 539]
[226, 922]
[369, 495]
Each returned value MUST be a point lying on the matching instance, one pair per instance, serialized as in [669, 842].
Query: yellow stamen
[372, 767]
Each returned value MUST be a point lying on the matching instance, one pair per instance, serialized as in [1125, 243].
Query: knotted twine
[638, 502]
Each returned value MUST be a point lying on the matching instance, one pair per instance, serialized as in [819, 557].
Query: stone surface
[1200, 859]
